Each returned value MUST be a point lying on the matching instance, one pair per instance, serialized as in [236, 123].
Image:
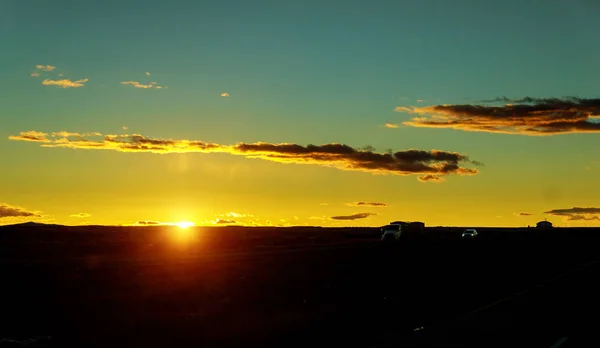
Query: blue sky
[297, 71]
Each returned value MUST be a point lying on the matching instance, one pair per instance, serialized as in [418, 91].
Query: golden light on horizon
[185, 224]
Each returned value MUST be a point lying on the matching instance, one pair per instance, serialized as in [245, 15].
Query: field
[232, 286]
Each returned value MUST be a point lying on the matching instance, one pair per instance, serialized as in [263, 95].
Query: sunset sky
[456, 113]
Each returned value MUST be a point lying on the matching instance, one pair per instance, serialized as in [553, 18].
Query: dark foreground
[234, 287]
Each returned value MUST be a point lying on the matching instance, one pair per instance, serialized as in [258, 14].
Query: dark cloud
[356, 216]
[11, 211]
[530, 116]
[340, 156]
[430, 178]
[368, 204]
[576, 213]
[524, 214]
[148, 222]
[224, 221]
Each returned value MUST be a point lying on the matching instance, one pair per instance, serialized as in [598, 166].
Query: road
[359, 294]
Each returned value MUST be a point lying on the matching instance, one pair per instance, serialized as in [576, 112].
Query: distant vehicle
[469, 233]
[391, 232]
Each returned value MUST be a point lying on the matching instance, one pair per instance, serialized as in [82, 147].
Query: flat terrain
[273, 287]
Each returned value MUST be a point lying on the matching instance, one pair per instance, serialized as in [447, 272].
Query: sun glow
[184, 224]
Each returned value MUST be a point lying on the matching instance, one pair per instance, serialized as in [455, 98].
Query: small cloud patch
[368, 204]
[356, 216]
[80, 215]
[576, 213]
[65, 83]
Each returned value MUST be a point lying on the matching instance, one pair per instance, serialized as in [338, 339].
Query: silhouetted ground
[156, 287]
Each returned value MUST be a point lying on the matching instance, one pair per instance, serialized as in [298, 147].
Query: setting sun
[185, 224]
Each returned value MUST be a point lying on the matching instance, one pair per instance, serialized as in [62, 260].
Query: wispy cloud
[529, 116]
[224, 222]
[344, 157]
[368, 204]
[391, 125]
[576, 213]
[430, 178]
[149, 223]
[35, 74]
[524, 214]
[65, 83]
[124, 127]
[46, 68]
[38, 137]
[147, 73]
[137, 84]
[356, 216]
[80, 215]
[7, 210]
[225, 94]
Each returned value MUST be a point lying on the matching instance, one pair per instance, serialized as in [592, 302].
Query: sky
[331, 113]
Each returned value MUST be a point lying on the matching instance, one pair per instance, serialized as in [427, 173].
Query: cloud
[124, 127]
[420, 100]
[149, 223]
[65, 83]
[523, 214]
[225, 94]
[356, 216]
[34, 136]
[238, 215]
[391, 125]
[576, 213]
[12, 211]
[430, 178]
[344, 157]
[80, 215]
[528, 116]
[35, 74]
[368, 204]
[45, 67]
[147, 73]
[137, 84]
[224, 221]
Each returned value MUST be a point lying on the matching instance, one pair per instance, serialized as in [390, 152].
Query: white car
[391, 232]
[469, 233]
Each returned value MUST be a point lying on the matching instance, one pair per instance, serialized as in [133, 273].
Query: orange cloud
[356, 216]
[391, 125]
[344, 157]
[7, 211]
[576, 213]
[225, 94]
[34, 136]
[529, 116]
[430, 178]
[65, 83]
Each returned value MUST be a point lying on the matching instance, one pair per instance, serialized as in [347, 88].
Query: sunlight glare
[185, 224]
